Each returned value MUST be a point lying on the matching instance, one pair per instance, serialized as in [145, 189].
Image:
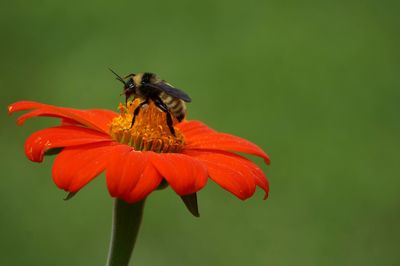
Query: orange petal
[185, 174]
[76, 166]
[232, 172]
[193, 128]
[149, 181]
[223, 142]
[95, 118]
[125, 170]
[63, 136]
[24, 105]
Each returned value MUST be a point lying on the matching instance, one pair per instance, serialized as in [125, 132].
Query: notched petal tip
[233, 172]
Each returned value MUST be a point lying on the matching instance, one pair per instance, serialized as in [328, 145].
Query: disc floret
[150, 131]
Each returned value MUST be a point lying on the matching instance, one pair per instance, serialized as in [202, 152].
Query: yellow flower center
[150, 131]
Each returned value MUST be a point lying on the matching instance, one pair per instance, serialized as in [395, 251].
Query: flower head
[136, 159]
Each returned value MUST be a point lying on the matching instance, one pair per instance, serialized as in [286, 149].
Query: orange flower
[137, 159]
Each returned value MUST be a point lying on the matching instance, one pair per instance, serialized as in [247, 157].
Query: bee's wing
[168, 89]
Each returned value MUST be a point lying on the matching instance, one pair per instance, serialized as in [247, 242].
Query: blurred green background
[314, 83]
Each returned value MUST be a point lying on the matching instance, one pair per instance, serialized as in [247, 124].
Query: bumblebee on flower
[143, 147]
[138, 156]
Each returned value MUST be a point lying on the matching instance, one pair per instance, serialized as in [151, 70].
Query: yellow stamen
[150, 131]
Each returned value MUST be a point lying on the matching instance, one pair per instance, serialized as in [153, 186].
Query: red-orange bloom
[136, 159]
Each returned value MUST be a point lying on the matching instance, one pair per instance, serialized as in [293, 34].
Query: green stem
[125, 227]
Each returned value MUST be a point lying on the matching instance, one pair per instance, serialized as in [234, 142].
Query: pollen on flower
[150, 131]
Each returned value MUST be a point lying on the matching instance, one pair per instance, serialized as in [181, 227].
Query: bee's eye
[130, 84]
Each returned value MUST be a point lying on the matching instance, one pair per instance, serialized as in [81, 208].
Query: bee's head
[129, 84]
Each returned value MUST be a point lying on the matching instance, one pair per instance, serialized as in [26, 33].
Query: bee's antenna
[118, 76]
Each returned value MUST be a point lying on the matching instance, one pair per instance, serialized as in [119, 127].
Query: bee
[148, 87]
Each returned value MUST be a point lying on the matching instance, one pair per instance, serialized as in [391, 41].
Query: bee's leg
[170, 124]
[137, 110]
[160, 104]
